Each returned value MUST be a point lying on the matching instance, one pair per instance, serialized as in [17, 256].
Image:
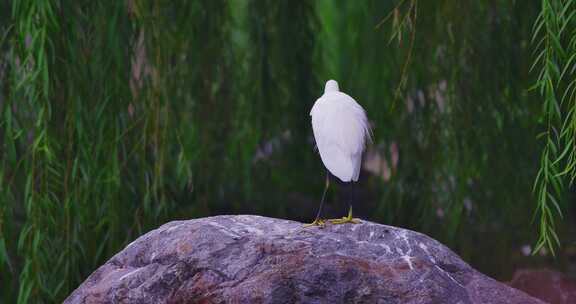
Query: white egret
[340, 129]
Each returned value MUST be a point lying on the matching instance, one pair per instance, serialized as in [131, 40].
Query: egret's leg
[318, 221]
[346, 219]
[349, 218]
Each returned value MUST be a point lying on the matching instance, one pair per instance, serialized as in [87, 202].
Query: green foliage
[118, 116]
[555, 56]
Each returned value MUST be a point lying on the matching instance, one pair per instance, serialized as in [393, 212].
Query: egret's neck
[331, 86]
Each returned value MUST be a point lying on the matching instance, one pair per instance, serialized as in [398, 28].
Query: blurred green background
[118, 116]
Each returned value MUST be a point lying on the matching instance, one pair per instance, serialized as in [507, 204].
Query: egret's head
[331, 86]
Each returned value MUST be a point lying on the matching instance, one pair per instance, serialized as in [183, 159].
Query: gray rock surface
[551, 286]
[253, 259]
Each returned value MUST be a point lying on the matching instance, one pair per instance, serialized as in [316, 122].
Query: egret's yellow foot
[346, 219]
[317, 222]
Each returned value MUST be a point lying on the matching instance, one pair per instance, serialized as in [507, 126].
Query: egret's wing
[340, 128]
[336, 162]
[341, 120]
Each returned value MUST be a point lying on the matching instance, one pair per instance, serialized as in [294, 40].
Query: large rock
[253, 259]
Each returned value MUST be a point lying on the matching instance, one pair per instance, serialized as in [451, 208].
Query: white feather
[340, 129]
